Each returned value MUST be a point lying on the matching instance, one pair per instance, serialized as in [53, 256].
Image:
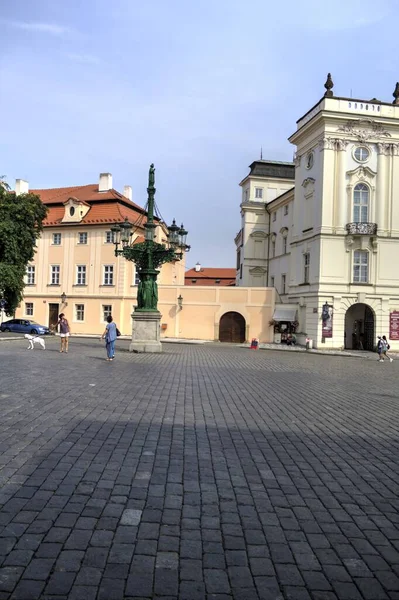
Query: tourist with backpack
[386, 348]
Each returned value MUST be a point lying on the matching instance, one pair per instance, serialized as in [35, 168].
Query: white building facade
[332, 242]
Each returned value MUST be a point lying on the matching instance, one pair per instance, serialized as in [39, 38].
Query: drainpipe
[268, 248]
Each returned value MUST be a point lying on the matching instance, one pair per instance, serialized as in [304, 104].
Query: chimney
[21, 187]
[127, 191]
[197, 267]
[105, 183]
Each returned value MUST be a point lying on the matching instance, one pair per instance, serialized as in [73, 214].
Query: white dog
[34, 339]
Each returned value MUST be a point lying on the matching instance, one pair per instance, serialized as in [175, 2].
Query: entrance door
[359, 327]
[53, 316]
[232, 328]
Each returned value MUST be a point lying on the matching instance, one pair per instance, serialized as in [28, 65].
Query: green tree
[21, 223]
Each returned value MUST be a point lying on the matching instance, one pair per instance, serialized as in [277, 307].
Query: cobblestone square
[204, 473]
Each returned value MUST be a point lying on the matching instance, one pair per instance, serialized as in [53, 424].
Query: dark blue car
[24, 326]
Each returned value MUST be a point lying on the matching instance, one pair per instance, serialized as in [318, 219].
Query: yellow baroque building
[75, 271]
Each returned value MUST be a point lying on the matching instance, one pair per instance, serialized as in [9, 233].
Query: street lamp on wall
[63, 298]
[180, 302]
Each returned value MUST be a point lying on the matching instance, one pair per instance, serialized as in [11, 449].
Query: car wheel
[7, 329]
[34, 332]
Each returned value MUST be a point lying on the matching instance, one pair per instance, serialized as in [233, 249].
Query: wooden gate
[232, 328]
[53, 311]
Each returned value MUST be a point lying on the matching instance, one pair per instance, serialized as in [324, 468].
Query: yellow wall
[199, 318]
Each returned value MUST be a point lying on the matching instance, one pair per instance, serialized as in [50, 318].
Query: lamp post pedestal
[146, 331]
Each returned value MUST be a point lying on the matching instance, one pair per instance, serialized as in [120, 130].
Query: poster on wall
[327, 320]
[394, 325]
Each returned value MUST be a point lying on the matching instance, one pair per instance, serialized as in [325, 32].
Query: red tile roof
[106, 207]
[88, 193]
[209, 275]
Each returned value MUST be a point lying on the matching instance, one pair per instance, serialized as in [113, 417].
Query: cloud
[83, 58]
[50, 28]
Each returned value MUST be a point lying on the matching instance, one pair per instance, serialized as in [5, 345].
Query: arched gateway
[232, 328]
[359, 327]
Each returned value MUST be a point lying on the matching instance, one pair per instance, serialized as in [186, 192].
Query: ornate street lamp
[63, 297]
[180, 301]
[149, 255]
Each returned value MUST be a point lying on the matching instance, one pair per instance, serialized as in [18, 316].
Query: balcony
[361, 228]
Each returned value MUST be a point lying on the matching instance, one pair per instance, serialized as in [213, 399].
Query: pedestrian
[65, 332]
[380, 345]
[110, 334]
[386, 348]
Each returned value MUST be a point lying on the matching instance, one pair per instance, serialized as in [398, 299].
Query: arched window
[361, 197]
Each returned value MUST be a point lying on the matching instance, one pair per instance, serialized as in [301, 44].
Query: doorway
[53, 312]
[359, 328]
[232, 328]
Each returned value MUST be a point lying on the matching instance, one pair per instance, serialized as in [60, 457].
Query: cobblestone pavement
[204, 473]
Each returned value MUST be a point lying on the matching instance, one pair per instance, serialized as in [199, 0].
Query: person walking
[110, 334]
[380, 345]
[386, 348]
[65, 331]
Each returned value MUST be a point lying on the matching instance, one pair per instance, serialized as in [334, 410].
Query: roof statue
[329, 84]
[396, 94]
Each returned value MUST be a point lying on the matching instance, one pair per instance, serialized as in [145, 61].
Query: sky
[195, 87]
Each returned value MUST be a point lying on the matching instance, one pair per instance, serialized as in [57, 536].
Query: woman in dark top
[65, 331]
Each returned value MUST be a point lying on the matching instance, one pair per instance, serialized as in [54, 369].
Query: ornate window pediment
[284, 231]
[362, 173]
[258, 271]
[258, 234]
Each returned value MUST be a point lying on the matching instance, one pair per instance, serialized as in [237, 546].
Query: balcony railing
[361, 228]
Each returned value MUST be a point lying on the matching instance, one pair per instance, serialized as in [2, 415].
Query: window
[259, 193]
[29, 309]
[136, 277]
[80, 312]
[109, 237]
[72, 211]
[56, 239]
[285, 244]
[361, 266]
[108, 275]
[246, 195]
[82, 238]
[193, 281]
[55, 274]
[81, 275]
[30, 275]
[238, 259]
[217, 281]
[274, 215]
[361, 154]
[283, 280]
[273, 247]
[286, 209]
[240, 271]
[306, 264]
[361, 203]
[107, 311]
[272, 281]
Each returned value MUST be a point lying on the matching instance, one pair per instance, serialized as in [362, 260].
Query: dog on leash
[34, 339]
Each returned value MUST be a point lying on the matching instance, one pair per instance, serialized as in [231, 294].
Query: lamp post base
[146, 332]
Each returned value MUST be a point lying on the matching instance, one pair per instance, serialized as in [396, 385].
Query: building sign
[394, 325]
[327, 320]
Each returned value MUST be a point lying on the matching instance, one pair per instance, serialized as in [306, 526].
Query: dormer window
[75, 210]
